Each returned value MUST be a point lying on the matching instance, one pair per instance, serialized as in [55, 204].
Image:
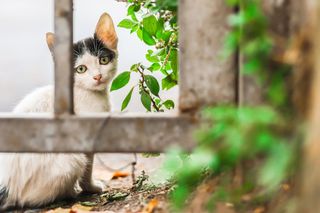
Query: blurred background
[26, 62]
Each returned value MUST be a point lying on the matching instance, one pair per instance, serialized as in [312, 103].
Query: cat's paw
[95, 187]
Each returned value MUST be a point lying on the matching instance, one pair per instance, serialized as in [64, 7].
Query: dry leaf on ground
[119, 174]
[259, 210]
[77, 209]
[151, 206]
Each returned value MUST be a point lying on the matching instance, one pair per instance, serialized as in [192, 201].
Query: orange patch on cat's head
[106, 32]
[50, 40]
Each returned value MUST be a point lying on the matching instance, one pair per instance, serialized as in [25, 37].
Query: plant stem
[142, 81]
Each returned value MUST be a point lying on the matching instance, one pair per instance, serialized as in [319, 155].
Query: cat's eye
[104, 60]
[81, 69]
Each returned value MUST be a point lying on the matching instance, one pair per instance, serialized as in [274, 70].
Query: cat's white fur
[38, 179]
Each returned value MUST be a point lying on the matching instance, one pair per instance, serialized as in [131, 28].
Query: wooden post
[310, 185]
[205, 77]
[63, 24]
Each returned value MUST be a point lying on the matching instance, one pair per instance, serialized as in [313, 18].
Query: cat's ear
[50, 41]
[106, 32]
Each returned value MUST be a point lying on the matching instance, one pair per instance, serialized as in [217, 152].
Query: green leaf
[160, 28]
[168, 83]
[146, 100]
[134, 67]
[147, 38]
[88, 203]
[169, 104]
[161, 53]
[174, 61]
[120, 81]
[126, 23]
[275, 169]
[152, 84]
[166, 36]
[127, 100]
[152, 58]
[150, 155]
[150, 24]
[158, 101]
[118, 196]
[154, 67]
[237, 20]
[134, 17]
[134, 28]
[232, 3]
[133, 8]
[139, 33]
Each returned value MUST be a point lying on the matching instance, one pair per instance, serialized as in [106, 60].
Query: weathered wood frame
[204, 79]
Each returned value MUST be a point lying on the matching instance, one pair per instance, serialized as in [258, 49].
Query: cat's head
[95, 58]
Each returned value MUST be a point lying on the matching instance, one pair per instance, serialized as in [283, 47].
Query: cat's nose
[97, 77]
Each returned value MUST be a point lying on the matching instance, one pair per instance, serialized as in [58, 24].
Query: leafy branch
[155, 24]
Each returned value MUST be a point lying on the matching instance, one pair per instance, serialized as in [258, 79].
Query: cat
[33, 180]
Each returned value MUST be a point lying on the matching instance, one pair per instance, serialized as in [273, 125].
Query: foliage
[155, 23]
[233, 135]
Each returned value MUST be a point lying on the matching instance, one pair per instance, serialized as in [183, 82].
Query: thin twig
[166, 60]
[133, 168]
[112, 169]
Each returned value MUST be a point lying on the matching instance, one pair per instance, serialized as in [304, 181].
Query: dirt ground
[143, 193]
[121, 194]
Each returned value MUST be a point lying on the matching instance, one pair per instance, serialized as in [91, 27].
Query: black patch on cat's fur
[95, 47]
[3, 195]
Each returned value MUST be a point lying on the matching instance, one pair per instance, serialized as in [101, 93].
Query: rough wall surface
[205, 78]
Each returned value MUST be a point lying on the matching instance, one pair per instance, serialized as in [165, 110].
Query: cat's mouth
[98, 83]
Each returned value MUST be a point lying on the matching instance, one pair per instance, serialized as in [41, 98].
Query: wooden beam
[96, 133]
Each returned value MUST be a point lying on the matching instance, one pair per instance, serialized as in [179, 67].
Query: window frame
[205, 79]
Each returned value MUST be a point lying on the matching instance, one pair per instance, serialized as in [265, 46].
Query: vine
[233, 135]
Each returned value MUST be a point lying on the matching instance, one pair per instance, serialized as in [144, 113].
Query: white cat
[38, 179]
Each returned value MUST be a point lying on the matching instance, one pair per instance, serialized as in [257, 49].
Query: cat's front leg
[87, 183]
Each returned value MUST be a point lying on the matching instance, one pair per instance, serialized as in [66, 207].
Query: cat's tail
[3, 196]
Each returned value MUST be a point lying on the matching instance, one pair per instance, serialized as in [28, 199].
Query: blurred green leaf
[232, 3]
[275, 169]
[237, 20]
[180, 195]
